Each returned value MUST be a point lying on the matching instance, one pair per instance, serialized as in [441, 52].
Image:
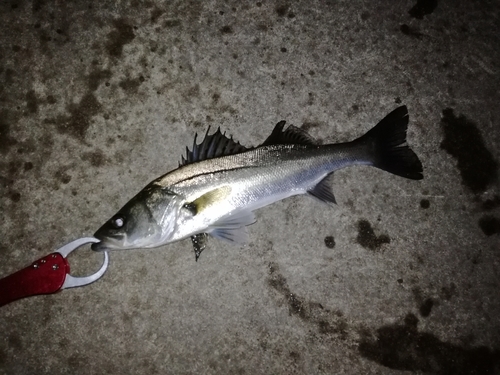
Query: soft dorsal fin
[212, 146]
[291, 136]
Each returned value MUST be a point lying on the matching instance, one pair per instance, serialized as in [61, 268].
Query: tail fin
[386, 144]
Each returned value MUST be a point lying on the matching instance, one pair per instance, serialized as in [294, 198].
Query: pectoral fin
[232, 227]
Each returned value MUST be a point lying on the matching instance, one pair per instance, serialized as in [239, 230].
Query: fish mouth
[99, 246]
[106, 244]
[107, 241]
[115, 242]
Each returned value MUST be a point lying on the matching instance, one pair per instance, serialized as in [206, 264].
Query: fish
[220, 183]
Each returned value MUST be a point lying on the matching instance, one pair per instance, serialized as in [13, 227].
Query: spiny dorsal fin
[212, 146]
[291, 136]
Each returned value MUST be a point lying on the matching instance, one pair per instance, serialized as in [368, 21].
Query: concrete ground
[401, 277]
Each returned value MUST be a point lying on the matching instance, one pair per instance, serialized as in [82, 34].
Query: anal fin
[323, 190]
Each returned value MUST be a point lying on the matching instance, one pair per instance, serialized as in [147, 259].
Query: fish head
[147, 220]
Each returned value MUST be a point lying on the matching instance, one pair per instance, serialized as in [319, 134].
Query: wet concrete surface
[400, 277]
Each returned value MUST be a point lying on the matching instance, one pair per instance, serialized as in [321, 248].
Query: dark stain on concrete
[464, 142]
[171, 23]
[226, 29]
[448, 292]
[278, 282]
[14, 196]
[51, 99]
[122, 35]
[80, 117]
[14, 167]
[407, 30]
[5, 182]
[490, 225]
[131, 85]
[425, 204]
[262, 27]
[4, 249]
[31, 101]
[95, 158]
[216, 97]
[192, 92]
[365, 15]
[199, 125]
[77, 361]
[26, 147]
[339, 329]
[492, 203]
[417, 294]
[45, 38]
[28, 166]
[10, 74]
[331, 323]
[155, 14]
[62, 176]
[330, 242]
[96, 77]
[403, 347]
[426, 307]
[15, 341]
[46, 144]
[37, 5]
[294, 355]
[281, 10]
[310, 97]
[474, 257]
[367, 238]
[6, 140]
[423, 8]
[3, 357]
[309, 125]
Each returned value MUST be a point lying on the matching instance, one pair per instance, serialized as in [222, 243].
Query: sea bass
[220, 183]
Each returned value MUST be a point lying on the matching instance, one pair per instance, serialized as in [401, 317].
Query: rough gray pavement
[401, 277]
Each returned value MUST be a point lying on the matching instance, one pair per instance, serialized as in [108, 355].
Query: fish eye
[118, 221]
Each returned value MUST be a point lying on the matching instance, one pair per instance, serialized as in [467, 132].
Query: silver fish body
[251, 180]
[221, 183]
